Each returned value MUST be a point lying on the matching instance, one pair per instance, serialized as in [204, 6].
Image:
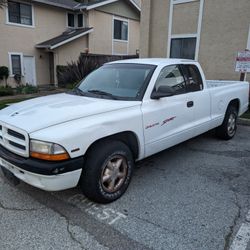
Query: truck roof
[154, 61]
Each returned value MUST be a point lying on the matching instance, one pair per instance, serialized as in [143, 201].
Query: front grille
[14, 139]
[16, 134]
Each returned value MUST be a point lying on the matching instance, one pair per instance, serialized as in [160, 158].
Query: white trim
[69, 40]
[195, 35]
[183, 1]
[135, 5]
[20, 24]
[112, 35]
[197, 49]
[248, 40]
[118, 40]
[184, 36]
[100, 4]
[170, 24]
[34, 68]
[128, 38]
[10, 62]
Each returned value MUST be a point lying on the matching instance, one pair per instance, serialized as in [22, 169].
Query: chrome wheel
[114, 173]
[231, 125]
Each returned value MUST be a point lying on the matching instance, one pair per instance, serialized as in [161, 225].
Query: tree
[3, 3]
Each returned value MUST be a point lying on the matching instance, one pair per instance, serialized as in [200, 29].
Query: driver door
[168, 120]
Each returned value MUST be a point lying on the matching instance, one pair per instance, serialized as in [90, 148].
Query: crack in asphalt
[71, 234]
[229, 235]
[19, 209]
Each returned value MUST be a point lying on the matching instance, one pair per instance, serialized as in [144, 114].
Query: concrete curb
[244, 122]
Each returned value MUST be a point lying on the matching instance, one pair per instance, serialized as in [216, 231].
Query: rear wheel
[229, 126]
[107, 172]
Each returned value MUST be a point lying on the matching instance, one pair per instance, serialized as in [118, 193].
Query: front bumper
[49, 176]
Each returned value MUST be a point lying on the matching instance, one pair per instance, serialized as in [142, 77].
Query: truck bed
[220, 83]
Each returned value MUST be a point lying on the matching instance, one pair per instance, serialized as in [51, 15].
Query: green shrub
[26, 89]
[4, 72]
[5, 91]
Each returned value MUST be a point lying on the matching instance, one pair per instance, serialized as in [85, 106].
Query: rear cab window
[192, 78]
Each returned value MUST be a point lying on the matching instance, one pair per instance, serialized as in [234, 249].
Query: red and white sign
[243, 62]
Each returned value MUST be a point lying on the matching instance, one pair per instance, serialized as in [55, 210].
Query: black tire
[229, 126]
[111, 160]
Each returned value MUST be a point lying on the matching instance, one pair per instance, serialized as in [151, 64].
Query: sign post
[243, 64]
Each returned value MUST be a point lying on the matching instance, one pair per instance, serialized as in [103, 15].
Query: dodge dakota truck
[119, 114]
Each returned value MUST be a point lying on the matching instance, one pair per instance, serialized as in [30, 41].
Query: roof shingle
[65, 37]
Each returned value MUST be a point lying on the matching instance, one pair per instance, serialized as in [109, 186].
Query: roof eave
[63, 6]
[54, 46]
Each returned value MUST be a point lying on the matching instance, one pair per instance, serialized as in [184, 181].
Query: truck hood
[43, 112]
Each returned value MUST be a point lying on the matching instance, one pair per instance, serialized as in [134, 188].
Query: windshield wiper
[100, 92]
[78, 91]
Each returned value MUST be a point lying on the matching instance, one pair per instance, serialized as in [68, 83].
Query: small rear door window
[193, 78]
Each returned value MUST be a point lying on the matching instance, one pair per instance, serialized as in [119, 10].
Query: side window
[171, 76]
[71, 20]
[193, 78]
[16, 66]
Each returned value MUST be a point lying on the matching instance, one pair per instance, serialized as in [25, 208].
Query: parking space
[193, 196]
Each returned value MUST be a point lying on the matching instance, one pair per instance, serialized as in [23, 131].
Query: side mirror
[163, 91]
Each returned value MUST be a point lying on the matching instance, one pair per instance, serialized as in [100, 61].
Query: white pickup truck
[121, 113]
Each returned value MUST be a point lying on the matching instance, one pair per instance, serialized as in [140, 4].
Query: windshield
[117, 81]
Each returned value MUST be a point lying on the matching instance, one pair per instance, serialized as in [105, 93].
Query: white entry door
[29, 70]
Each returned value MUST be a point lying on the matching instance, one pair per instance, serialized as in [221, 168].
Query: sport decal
[153, 125]
[163, 123]
[168, 120]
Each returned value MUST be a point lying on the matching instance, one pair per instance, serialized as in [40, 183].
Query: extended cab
[121, 113]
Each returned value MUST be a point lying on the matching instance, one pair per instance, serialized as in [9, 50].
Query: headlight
[47, 151]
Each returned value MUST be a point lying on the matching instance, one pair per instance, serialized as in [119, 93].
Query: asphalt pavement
[195, 195]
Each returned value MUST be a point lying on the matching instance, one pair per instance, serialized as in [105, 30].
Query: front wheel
[229, 126]
[107, 172]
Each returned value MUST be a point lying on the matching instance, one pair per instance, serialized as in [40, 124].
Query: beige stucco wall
[23, 39]
[224, 32]
[122, 9]
[101, 39]
[154, 28]
[70, 51]
[185, 18]
[120, 48]
[134, 37]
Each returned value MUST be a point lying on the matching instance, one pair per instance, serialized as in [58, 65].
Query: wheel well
[235, 103]
[127, 137]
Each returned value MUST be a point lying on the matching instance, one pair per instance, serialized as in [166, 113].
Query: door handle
[190, 104]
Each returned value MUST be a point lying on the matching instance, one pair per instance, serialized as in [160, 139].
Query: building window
[75, 20]
[80, 20]
[20, 13]
[120, 30]
[71, 20]
[16, 64]
[183, 48]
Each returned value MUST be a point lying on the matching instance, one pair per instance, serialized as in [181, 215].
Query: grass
[5, 103]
